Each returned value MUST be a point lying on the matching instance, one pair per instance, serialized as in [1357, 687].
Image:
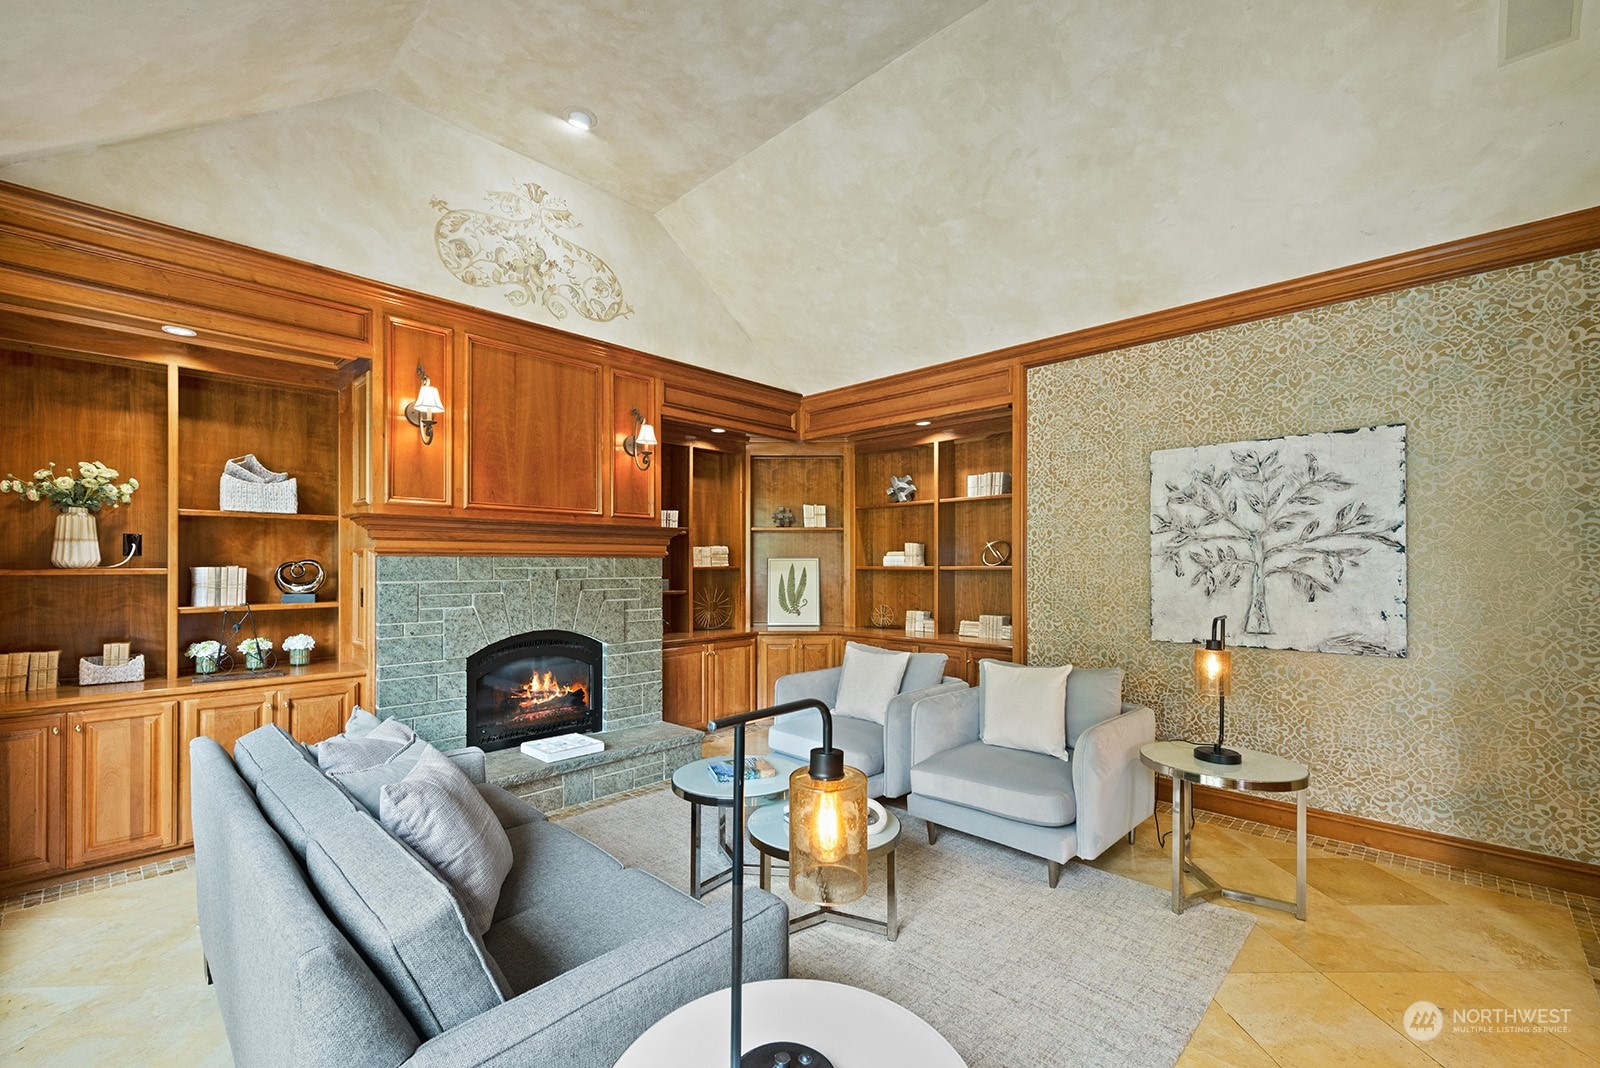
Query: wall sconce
[639, 443]
[420, 412]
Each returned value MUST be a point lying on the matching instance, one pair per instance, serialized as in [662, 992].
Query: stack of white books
[920, 623]
[814, 515]
[915, 554]
[669, 517]
[711, 556]
[989, 483]
[215, 587]
[562, 746]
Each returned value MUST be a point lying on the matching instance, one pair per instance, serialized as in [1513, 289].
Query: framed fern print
[793, 592]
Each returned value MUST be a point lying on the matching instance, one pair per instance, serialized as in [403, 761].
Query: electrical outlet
[133, 543]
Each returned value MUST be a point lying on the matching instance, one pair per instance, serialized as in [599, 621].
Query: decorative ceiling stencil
[517, 246]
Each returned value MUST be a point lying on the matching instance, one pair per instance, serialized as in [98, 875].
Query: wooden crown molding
[973, 381]
[1519, 864]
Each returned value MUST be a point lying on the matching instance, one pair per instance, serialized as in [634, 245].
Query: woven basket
[247, 486]
[92, 671]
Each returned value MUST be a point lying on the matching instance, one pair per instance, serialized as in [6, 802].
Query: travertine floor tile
[1219, 1042]
[1518, 935]
[1263, 953]
[1306, 1019]
[1570, 990]
[1359, 882]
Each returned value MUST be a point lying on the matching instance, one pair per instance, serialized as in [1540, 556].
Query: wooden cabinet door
[731, 681]
[787, 654]
[313, 711]
[32, 797]
[121, 788]
[683, 685]
[227, 717]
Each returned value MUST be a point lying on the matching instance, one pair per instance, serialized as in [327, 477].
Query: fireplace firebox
[532, 686]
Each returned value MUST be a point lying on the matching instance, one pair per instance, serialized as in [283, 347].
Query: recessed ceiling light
[579, 119]
[718, 430]
[924, 422]
[177, 331]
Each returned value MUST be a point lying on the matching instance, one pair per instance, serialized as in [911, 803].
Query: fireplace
[534, 685]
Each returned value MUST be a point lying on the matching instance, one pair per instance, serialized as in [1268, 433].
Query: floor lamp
[827, 858]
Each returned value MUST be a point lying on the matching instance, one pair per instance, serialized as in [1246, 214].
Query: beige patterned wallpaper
[1490, 729]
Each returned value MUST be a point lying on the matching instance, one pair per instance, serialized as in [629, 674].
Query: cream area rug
[1014, 974]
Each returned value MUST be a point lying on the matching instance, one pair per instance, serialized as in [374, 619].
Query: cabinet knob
[78, 728]
[55, 730]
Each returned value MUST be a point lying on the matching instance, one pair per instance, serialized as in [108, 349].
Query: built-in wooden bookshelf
[704, 484]
[784, 475]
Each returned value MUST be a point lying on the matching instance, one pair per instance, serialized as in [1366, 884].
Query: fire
[543, 687]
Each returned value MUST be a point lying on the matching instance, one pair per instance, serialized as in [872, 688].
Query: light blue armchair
[1032, 801]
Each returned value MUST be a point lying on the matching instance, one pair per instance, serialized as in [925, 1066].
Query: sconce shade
[428, 399]
[1213, 672]
[646, 436]
[828, 837]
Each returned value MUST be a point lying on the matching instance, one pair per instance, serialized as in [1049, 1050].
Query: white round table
[853, 1028]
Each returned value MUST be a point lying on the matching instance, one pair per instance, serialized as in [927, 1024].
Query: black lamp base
[784, 1055]
[1216, 754]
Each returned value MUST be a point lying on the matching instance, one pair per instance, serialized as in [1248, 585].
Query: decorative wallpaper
[1490, 728]
[517, 247]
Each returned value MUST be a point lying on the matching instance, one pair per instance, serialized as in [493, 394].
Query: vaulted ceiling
[681, 89]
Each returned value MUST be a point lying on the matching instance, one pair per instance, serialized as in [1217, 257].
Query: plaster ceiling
[681, 89]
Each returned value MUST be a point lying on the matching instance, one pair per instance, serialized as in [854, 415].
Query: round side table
[769, 830]
[853, 1028]
[1255, 772]
[695, 784]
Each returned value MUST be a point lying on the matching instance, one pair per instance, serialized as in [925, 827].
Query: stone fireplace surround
[434, 611]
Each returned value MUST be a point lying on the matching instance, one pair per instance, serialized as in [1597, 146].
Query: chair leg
[1131, 834]
[1055, 873]
[933, 834]
[209, 981]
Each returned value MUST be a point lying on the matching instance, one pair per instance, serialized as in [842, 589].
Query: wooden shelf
[192, 610]
[43, 572]
[892, 567]
[969, 500]
[715, 567]
[894, 504]
[974, 567]
[214, 513]
[674, 593]
[797, 530]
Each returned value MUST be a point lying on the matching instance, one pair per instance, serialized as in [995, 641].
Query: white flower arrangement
[255, 646]
[208, 650]
[299, 641]
[93, 488]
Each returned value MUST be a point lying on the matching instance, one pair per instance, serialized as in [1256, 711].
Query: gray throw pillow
[437, 811]
[344, 752]
[869, 680]
[1094, 695]
[1024, 707]
[361, 723]
[366, 784]
[922, 670]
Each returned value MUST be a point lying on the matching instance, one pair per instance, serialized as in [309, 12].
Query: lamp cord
[1161, 839]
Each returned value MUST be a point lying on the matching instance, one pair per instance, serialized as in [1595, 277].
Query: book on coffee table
[562, 746]
[754, 768]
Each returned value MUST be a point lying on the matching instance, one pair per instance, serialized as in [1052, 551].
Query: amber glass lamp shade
[828, 837]
[1213, 672]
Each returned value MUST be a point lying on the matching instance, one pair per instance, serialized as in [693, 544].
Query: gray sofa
[331, 943]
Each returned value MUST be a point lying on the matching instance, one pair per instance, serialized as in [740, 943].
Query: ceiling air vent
[1529, 26]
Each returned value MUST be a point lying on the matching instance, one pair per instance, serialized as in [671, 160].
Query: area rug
[1097, 971]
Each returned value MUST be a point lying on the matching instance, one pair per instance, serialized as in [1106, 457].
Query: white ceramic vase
[77, 540]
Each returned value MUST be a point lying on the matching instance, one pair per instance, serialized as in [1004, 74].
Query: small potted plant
[77, 498]
[299, 646]
[255, 652]
[205, 656]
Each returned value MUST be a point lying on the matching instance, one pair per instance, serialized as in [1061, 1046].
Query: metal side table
[1257, 772]
[769, 830]
[695, 784]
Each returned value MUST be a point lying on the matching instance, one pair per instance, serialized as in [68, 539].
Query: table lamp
[1213, 676]
[827, 858]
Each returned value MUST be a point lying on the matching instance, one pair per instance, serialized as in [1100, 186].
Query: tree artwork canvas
[1300, 541]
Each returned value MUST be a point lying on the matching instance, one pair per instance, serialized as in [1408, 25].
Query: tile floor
[108, 970]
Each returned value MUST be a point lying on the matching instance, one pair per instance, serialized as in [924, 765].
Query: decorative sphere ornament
[299, 576]
[901, 488]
